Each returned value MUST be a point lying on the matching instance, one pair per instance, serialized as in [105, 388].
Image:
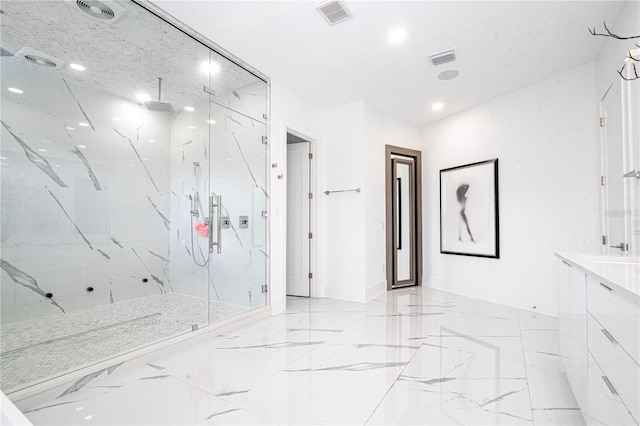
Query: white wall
[354, 240]
[343, 213]
[288, 111]
[545, 137]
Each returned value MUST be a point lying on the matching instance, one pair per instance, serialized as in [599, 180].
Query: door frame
[389, 203]
[313, 207]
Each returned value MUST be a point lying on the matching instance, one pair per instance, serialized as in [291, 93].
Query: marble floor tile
[457, 323]
[455, 401]
[540, 341]
[469, 305]
[549, 389]
[232, 366]
[446, 357]
[333, 384]
[412, 356]
[151, 399]
[558, 417]
[536, 321]
[393, 330]
[324, 320]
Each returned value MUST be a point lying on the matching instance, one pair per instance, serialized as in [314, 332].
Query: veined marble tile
[458, 323]
[447, 357]
[233, 365]
[395, 330]
[540, 341]
[536, 321]
[333, 384]
[146, 397]
[554, 416]
[469, 305]
[456, 401]
[549, 389]
[302, 304]
[314, 320]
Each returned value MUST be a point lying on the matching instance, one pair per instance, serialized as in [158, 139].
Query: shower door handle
[218, 205]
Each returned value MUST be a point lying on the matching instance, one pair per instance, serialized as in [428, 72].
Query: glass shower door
[238, 170]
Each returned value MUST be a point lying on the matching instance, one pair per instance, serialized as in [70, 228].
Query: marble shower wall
[228, 145]
[84, 197]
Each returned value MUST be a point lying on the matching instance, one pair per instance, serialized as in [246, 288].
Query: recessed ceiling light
[144, 158]
[211, 121]
[83, 124]
[143, 97]
[77, 67]
[15, 90]
[117, 119]
[210, 67]
[151, 141]
[437, 106]
[188, 108]
[46, 141]
[42, 150]
[3, 158]
[228, 159]
[448, 74]
[57, 165]
[397, 35]
[69, 128]
[82, 146]
[192, 127]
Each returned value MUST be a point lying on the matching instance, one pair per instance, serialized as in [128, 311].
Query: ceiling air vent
[334, 12]
[36, 57]
[107, 11]
[443, 57]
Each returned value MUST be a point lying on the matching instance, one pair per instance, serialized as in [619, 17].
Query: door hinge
[310, 275]
[264, 116]
[265, 214]
[265, 140]
[604, 240]
[310, 156]
[603, 180]
[310, 235]
[310, 195]
[264, 288]
[601, 121]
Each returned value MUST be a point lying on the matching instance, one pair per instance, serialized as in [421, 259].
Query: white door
[298, 219]
[614, 213]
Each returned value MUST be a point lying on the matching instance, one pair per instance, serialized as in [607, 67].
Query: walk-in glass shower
[133, 193]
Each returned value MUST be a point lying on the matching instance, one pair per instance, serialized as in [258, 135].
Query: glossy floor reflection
[413, 356]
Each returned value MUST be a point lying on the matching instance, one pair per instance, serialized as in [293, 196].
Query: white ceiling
[501, 47]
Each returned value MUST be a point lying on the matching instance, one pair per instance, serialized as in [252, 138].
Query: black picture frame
[469, 205]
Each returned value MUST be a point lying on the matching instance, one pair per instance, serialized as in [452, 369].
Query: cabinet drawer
[617, 365]
[604, 407]
[617, 313]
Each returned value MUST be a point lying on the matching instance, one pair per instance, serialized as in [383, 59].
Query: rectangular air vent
[334, 11]
[443, 57]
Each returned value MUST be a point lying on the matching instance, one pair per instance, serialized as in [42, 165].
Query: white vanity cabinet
[599, 337]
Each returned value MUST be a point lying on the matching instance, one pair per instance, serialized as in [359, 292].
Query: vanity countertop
[619, 271]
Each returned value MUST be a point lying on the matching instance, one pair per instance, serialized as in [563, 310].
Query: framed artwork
[469, 210]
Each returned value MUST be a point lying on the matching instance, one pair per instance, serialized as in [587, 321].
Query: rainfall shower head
[160, 106]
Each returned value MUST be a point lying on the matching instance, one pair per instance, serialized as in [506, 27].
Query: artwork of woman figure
[461, 194]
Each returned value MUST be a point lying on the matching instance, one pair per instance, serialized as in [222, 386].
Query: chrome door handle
[219, 225]
[218, 242]
[621, 246]
[632, 174]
